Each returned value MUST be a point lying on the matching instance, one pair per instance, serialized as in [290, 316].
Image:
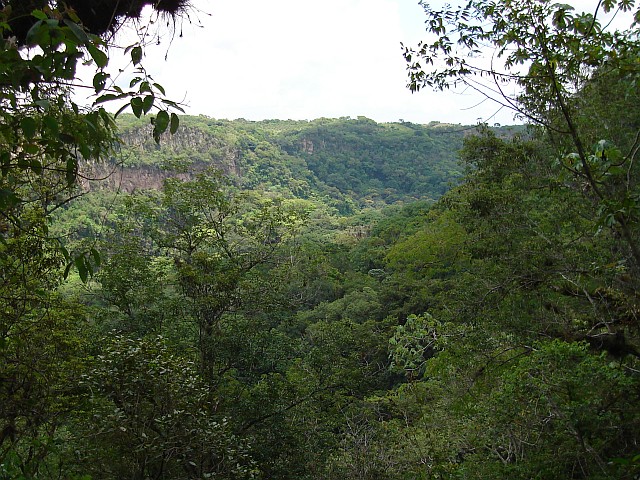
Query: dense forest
[194, 298]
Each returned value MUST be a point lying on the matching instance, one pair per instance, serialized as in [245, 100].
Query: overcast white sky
[303, 59]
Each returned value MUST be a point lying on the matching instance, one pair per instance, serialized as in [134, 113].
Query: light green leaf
[39, 14]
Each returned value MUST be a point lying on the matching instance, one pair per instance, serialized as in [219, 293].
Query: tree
[553, 55]
[45, 136]
[154, 417]
[225, 248]
[45, 140]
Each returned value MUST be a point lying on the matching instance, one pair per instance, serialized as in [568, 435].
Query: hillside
[351, 163]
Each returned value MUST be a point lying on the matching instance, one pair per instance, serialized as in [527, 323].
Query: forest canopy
[333, 299]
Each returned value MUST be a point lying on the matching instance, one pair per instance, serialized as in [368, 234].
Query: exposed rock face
[126, 179]
[191, 145]
[307, 146]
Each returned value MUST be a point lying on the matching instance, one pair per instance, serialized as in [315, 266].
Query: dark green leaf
[77, 31]
[71, 171]
[51, 123]
[98, 55]
[173, 105]
[120, 110]
[161, 123]
[67, 270]
[100, 81]
[81, 266]
[96, 256]
[106, 98]
[175, 122]
[29, 127]
[136, 106]
[34, 33]
[147, 103]
[23, 163]
[36, 166]
[8, 199]
[64, 251]
[160, 88]
[136, 55]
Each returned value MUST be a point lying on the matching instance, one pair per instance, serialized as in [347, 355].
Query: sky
[303, 59]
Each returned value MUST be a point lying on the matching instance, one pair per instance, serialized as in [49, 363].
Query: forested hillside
[354, 162]
[331, 299]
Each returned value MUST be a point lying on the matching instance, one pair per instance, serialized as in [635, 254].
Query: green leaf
[36, 166]
[100, 81]
[51, 123]
[77, 31]
[39, 14]
[106, 98]
[136, 55]
[160, 88]
[23, 163]
[98, 55]
[145, 87]
[136, 106]
[31, 149]
[73, 16]
[8, 199]
[81, 266]
[72, 167]
[34, 32]
[43, 103]
[175, 122]
[147, 103]
[120, 110]
[29, 127]
[172, 105]
[160, 125]
[5, 159]
[64, 251]
[96, 256]
[65, 275]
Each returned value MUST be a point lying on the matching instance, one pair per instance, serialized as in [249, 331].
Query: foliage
[45, 135]
[347, 163]
[260, 310]
[45, 139]
[152, 416]
[41, 352]
[556, 57]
